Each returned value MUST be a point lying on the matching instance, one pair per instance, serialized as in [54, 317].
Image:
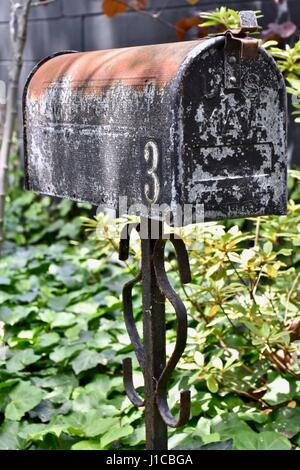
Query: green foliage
[288, 60]
[64, 337]
[223, 16]
[226, 17]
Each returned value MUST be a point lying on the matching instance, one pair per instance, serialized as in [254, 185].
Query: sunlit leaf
[23, 398]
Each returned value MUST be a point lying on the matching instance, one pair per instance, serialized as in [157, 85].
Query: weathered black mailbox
[193, 123]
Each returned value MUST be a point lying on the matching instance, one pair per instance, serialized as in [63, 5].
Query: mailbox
[185, 125]
[192, 123]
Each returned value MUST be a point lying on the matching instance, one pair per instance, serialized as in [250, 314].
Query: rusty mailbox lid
[199, 124]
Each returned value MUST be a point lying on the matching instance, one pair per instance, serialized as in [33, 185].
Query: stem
[257, 282]
[289, 297]
[194, 304]
[278, 363]
[230, 321]
[19, 18]
[258, 222]
[45, 2]
[249, 288]
[126, 262]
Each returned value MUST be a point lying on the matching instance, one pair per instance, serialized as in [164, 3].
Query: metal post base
[151, 355]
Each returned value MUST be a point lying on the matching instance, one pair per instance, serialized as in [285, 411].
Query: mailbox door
[234, 135]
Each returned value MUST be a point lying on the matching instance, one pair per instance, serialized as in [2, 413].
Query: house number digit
[151, 148]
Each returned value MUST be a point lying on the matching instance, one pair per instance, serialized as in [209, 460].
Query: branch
[282, 8]
[289, 297]
[258, 221]
[153, 15]
[42, 3]
[18, 30]
[13, 22]
[194, 304]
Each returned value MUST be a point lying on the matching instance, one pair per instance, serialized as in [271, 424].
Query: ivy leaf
[9, 439]
[87, 445]
[5, 281]
[263, 441]
[190, 444]
[115, 433]
[222, 445]
[285, 421]
[58, 303]
[279, 391]
[48, 339]
[87, 359]
[63, 319]
[12, 315]
[23, 397]
[21, 359]
[45, 410]
[70, 229]
[97, 425]
[65, 352]
[37, 431]
[229, 426]
[86, 308]
[4, 296]
[253, 415]
[246, 440]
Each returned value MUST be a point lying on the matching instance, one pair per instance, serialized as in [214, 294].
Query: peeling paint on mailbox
[159, 124]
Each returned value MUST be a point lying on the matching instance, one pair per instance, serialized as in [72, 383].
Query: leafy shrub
[64, 337]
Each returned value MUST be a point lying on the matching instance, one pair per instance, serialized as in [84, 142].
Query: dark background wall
[80, 25]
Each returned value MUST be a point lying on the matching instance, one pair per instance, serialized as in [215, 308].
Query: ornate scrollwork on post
[181, 315]
[160, 383]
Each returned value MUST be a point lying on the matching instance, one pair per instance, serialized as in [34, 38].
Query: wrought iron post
[152, 354]
[154, 346]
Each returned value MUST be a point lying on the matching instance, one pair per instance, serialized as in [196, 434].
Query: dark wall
[80, 25]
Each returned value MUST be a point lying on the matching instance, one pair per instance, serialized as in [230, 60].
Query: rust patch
[133, 66]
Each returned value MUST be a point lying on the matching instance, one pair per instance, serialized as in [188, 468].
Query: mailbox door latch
[239, 46]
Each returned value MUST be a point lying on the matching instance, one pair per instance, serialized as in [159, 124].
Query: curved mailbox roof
[133, 66]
